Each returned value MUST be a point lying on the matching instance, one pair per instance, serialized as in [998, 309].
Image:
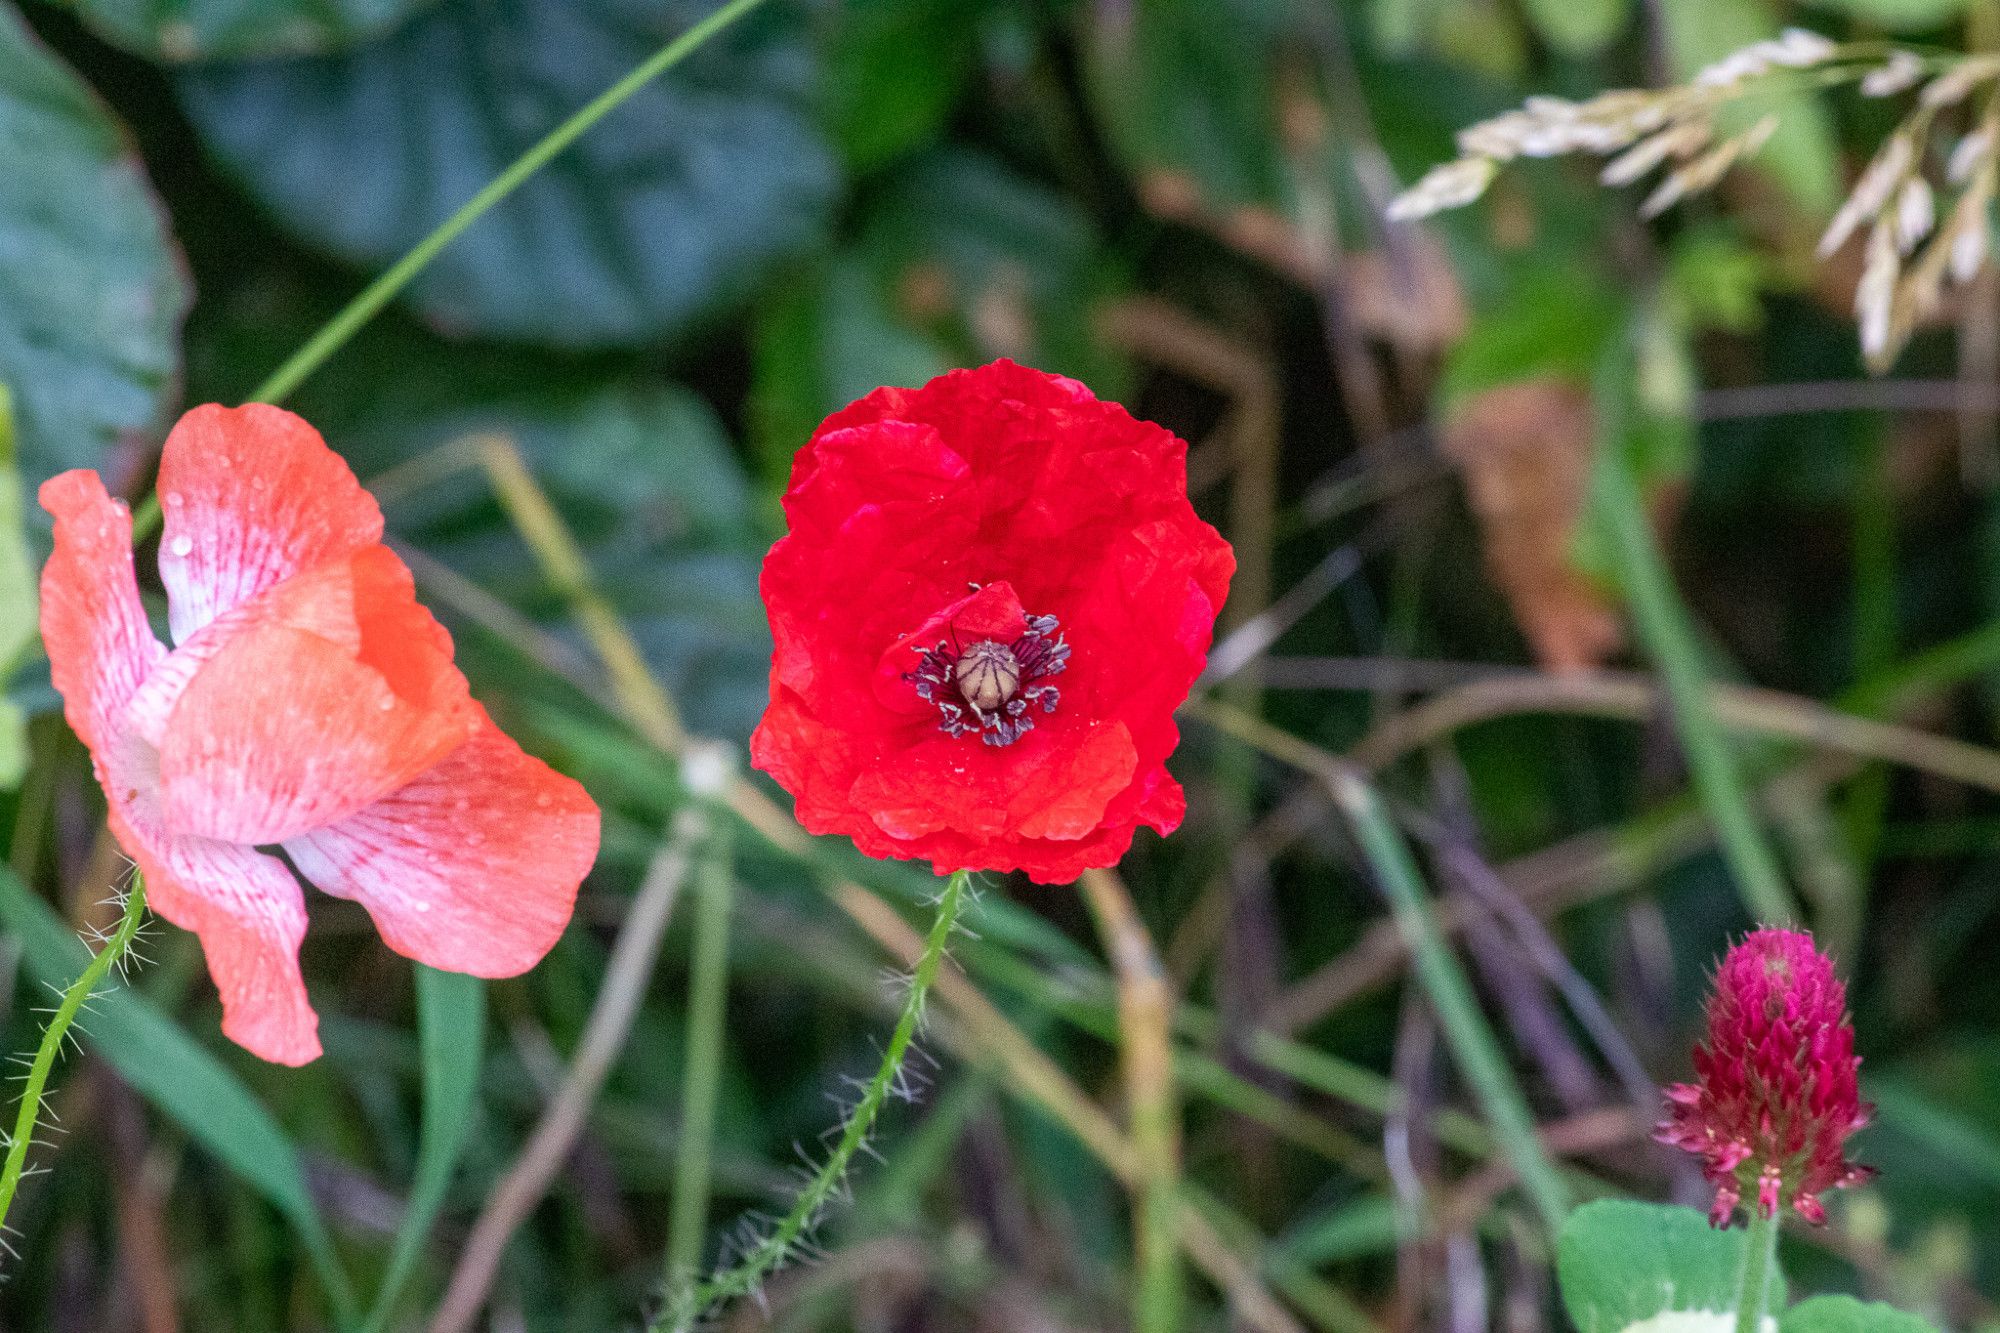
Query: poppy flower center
[988, 687]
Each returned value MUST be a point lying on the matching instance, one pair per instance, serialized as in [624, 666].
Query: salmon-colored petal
[250, 915]
[473, 867]
[93, 624]
[306, 705]
[252, 496]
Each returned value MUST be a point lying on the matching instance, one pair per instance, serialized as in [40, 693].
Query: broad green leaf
[880, 102]
[1550, 321]
[240, 29]
[1901, 15]
[827, 338]
[662, 217]
[1184, 89]
[187, 1084]
[451, 1026]
[1010, 269]
[91, 291]
[1844, 1314]
[1629, 1266]
[17, 599]
[1801, 155]
[1578, 27]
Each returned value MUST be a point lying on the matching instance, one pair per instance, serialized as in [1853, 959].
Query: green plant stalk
[1465, 1028]
[708, 984]
[690, 1302]
[1146, 1055]
[1664, 631]
[73, 1000]
[1760, 1261]
[377, 294]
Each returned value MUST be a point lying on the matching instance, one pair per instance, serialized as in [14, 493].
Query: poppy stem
[708, 985]
[688, 1304]
[377, 294]
[73, 1000]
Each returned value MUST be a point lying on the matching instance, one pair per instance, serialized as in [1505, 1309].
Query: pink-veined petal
[473, 867]
[335, 689]
[250, 915]
[93, 625]
[252, 496]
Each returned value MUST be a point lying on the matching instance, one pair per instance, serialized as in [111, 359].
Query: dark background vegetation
[1179, 201]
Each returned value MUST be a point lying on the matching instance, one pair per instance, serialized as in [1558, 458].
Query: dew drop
[387, 702]
[181, 545]
[544, 800]
[172, 499]
[422, 907]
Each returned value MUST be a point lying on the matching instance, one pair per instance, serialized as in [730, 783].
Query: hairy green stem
[377, 294]
[73, 1000]
[1760, 1262]
[708, 983]
[1471, 1039]
[689, 1303]
[1668, 639]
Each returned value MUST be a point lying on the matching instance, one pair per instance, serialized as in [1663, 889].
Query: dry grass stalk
[1922, 204]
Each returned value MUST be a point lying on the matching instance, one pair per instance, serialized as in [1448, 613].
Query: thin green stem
[1146, 1052]
[1760, 1262]
[1669, 639]
[377, 294]
[1465, 1028]
[73, 1000]
[708, 985]
[690, 1302]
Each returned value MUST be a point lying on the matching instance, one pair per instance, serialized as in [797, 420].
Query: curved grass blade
[451, 1031]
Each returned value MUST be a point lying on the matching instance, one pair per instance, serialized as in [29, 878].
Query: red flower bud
[1777, 1094]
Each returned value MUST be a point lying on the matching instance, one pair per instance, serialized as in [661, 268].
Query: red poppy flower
[309, 704]
[993, 596]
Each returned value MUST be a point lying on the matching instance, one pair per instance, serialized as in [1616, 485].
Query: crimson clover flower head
[992, 596]
[1776, 1095]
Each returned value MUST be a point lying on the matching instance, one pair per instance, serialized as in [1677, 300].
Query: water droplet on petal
[172, 499]
[544, 800]
[181, 545]
[387, 702]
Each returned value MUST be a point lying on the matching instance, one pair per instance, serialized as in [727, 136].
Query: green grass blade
[183, 1081]
[451, 1031]
[1667, 636]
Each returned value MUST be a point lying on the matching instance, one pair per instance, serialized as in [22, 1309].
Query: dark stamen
[986, 687]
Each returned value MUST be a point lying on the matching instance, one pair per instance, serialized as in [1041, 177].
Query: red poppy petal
[250, 915]
[93, 624]
[314, 702]
[473, 867]
[252, 496]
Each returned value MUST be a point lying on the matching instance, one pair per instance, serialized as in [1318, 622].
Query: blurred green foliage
[1180, 203]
